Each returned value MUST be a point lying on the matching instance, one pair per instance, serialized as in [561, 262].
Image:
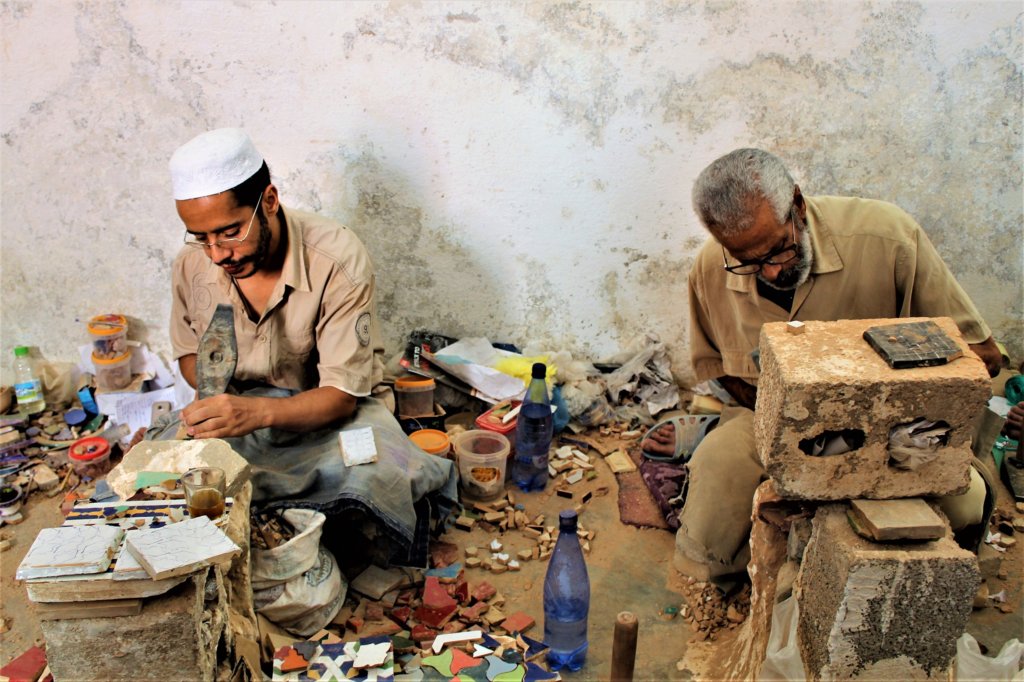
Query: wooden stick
[624, 647]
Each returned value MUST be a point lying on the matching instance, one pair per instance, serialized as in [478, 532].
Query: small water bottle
[566, 599]
[534, 428]
[27, 386]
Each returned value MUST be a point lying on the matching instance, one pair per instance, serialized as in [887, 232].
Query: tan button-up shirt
[871, 259]
[320, 324]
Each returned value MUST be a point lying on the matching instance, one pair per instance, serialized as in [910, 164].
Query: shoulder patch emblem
[363, 329]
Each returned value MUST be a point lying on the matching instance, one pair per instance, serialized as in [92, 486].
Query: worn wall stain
[518, 170]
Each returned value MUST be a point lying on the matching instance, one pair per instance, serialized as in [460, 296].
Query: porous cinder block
[168, 641]
[880, 611]
[830, 380]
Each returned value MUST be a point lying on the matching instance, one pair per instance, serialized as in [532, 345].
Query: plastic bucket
[431, 441]
[109, 335]
[415, 397]
[482, 457]
[113, 374]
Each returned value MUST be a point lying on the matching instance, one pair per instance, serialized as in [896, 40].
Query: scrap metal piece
[218, 353]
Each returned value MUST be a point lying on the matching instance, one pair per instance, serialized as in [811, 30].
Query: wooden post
[624, 647]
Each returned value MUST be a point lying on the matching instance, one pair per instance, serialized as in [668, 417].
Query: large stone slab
[829, 379]
[179, 456]
[880, 611]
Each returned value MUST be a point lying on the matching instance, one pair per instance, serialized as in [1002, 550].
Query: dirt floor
[629, 567]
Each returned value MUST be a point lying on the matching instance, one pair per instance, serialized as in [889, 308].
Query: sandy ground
[630, 570]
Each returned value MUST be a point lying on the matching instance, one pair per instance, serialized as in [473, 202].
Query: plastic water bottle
[534, 428]
[566, 599]
[27, 387]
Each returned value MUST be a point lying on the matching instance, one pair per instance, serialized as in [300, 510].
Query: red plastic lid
[88, 449]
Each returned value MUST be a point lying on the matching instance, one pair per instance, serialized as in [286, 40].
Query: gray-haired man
[776, 255]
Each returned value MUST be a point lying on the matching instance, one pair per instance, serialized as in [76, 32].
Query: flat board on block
[109, 608]
[912, 344]
[905, 519]
[70, 550]
[180, 548]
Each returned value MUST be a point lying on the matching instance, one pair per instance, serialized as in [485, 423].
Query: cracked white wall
[518, 170]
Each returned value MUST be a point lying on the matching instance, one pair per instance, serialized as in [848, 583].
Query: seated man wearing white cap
[309, 352]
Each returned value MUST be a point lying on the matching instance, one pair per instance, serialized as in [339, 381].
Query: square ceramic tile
[70, 550]
[180, 548]
[127, 567]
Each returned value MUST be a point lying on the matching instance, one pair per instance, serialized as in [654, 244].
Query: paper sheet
[133, 409]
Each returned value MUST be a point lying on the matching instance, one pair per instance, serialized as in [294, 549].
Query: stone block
[881, 611]
[167, 641]
[829, 380]
[179, 456]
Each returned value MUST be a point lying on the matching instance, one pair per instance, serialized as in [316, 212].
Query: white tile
[70, 550]
[180, 548]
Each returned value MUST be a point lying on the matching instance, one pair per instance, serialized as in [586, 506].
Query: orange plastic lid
[108, 325]
[88, 449]
[413, 383]
[431, 440]
[126, 356]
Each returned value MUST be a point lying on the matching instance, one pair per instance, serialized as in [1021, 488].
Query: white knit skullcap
[213, 162]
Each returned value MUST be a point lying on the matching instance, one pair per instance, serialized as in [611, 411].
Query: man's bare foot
[661, 442]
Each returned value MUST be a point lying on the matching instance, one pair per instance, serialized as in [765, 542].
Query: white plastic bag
[298, 585]
[971, 664]
[782, 659]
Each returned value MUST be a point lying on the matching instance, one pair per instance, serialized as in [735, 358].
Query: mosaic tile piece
[180, 548]
[442, 663]
[515, 675]
[70, 550]
[535, 673]
[496, 666]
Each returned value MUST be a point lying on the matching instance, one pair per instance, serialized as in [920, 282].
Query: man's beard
[793, 277]
[258, 257]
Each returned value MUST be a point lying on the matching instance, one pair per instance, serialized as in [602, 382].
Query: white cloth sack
[298, 585]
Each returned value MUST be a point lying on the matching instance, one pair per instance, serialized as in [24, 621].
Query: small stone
[734, 615]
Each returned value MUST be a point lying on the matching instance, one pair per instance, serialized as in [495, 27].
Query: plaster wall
[518, 170]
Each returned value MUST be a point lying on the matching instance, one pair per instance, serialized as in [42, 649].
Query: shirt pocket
[291, 358]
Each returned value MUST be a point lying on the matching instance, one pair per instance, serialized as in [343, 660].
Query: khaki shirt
[871, 259]
[320, 325]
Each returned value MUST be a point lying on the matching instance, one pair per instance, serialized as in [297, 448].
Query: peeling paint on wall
[520, 171]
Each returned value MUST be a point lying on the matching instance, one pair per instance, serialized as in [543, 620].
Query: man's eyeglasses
[777, 256]
[223, 242]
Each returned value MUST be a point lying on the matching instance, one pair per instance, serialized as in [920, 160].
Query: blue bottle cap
[74, 417]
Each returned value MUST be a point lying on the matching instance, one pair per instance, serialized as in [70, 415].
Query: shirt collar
[295, 271]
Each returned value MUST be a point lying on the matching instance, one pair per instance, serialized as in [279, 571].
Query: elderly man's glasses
[777, 256]
[225, 239]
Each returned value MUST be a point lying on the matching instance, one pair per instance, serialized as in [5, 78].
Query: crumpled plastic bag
[915, 444]
[782, 659]
[646, 376]
[971, 664]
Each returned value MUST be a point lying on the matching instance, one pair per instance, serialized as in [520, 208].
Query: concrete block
[881, 611]
[830, 380]
[167, 641]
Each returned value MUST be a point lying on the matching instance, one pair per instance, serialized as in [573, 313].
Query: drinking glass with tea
[204, 492]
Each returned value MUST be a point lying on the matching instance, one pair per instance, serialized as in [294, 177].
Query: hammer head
[217, 354]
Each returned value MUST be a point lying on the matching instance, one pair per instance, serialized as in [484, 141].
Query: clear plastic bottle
[27, 386]
[534, 428]
[566, 599]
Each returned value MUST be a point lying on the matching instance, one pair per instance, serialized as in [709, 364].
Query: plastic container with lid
[482, 458]
[113, 374]
[415, 396]
[431, 441]
[109, 335]
[90, 457]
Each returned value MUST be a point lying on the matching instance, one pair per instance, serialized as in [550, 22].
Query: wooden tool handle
[624, 647]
